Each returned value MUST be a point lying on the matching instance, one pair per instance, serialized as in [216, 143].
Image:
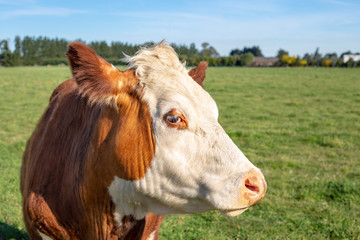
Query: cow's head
[191, 165]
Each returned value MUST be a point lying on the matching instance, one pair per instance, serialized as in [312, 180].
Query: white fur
[43, 236]
[152, 236]
[195, 169]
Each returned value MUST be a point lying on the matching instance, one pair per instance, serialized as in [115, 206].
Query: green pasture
[300, 126]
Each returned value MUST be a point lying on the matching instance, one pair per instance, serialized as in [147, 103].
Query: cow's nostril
[251, 186]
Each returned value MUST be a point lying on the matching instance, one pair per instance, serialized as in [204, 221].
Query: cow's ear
[95, 77]
[199, 73]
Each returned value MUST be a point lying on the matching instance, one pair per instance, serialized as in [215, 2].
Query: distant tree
[255, 50]
[350, 63]
[183, 58]
[309, 59]
[213, 52]
[289, 61]
[18, 44]
[317, 57]
[307, 56]
[185, 50]
[208, 51]
[118, 48]
[326, 62]
[7, 58]
[212, 61]
[195, 60]
[101, 48]
[339, 62]
[246, 59]
[223, 61]
[303, 63]
[31, 50]
[104, 49]
[330, 58]
[345, 53]
[4, 50]
[205, 45]
[281, 52]
[235, 52]
[330, 55]
[192, 50]
[233, 60]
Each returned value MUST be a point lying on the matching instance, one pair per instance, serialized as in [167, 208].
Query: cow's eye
[175, 119]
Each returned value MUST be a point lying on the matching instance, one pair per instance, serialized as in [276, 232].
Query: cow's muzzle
[252, 190]
[254, 187]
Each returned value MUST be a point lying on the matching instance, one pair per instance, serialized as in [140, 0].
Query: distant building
[355, 57]
[265, 61]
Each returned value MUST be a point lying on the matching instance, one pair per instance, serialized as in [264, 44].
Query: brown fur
[79, 145]
[95, 77]
[199, 73]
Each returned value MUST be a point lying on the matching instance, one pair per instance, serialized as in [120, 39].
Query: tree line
[315, 60]
[51, 51]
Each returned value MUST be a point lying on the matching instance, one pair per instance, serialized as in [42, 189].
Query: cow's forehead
[160, 58]
[159, 68]
[165, 78]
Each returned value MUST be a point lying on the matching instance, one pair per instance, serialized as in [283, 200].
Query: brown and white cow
[116, 150]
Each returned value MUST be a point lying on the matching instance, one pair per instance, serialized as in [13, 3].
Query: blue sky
[296, 26]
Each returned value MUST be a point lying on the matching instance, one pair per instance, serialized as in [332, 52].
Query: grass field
[301, 126]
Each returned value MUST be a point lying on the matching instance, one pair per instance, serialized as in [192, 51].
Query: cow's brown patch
[79, 145]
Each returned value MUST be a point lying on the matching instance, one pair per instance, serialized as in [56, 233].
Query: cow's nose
[255, 187]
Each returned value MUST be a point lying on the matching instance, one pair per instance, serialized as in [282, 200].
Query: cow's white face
[196, 166]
